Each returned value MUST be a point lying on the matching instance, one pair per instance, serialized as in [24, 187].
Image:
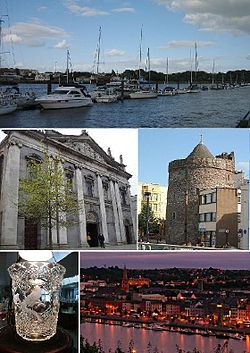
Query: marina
[209, 108]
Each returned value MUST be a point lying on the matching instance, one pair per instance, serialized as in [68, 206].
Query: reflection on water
[110, 335]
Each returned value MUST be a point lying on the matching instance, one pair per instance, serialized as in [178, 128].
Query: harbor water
[165, 342]
[212, 108]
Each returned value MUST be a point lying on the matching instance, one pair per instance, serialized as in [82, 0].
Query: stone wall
[186, 178]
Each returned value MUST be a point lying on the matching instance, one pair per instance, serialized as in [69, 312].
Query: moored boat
[7, 106]
[67, 96]
[143, 94]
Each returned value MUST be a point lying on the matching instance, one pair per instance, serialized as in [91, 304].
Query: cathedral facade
[99, 182]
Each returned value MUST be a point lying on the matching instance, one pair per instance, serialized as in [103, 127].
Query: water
[205, 109]
[164, 341]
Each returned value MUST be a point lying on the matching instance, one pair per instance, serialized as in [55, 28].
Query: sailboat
[143, 93]
[168, 90]
[12, 98]
[193, 88]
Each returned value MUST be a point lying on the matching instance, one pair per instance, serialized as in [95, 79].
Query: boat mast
[149, 68]
[196, 63]
[1, 21]
[213, 72]
[140, 57]
[67, 68]
[2, 52]
[191, 68]
[166, 76]
[98, 50]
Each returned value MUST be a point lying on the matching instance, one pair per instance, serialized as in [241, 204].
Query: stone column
[103, 209]
[82, 213]
[114, 205]
[120, 214]
[133, 216]
[10, 193]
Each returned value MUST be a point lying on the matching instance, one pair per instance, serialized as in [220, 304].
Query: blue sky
[158, 147]
[40, 31]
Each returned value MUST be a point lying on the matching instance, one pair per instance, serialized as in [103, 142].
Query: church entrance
[92, 234]
[30, 235]
[128, 236]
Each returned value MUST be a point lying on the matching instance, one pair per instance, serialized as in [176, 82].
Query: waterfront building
[100, 184]
[193, 178]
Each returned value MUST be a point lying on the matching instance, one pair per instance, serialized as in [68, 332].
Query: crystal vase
[36, 289]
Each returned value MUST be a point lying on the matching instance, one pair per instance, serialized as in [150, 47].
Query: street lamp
[227, 234]
[147, 195]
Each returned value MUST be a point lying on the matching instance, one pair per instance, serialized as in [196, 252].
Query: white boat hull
[64, 104]
[143, 95]
[7, 109]
[193, 91]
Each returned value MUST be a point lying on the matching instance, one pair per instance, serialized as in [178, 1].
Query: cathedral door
[92, 234]
[128, 236]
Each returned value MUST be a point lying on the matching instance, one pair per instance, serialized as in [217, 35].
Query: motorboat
[23, 100]
[193, 89]
[7, 106]
[168, 91]
[103, 94]
[66, 96]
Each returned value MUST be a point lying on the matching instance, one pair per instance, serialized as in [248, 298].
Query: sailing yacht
[168, 90]
[144, 93]
[194, 88]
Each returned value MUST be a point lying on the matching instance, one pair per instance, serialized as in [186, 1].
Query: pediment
[85, 149]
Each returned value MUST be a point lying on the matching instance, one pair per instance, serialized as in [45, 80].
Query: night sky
[152, 260]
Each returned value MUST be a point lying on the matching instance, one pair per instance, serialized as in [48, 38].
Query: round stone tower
[187, 177]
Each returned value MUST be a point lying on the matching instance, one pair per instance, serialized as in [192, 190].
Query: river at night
[164, 341]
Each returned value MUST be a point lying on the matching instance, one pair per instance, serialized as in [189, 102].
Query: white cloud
[124, 9]
[12, 38]
[61, 45]
[33, 34]
[187, 44]
[214, 15]
[114, 52]
[84, 10]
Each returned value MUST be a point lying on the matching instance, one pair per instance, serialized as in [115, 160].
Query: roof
[200, 151]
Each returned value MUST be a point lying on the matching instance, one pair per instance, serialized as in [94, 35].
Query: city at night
[171, 302]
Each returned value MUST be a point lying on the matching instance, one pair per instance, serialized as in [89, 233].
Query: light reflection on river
[164, 341]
